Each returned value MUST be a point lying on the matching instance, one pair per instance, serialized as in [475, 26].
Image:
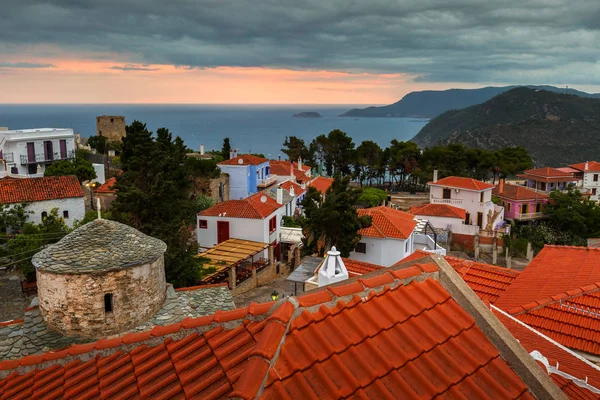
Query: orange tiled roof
[356, 268]
[487, 281]
[411, 341]
[287, 185]
[17, 190]
[107, 187]
[388, 223]
[533, 340]
[246, 159]
[519, 193]
[321, 183]
[439, 210]
[593, 166]
[558, 293]
[462, 183]
[282, 168]
[547, 174]
[250, 207]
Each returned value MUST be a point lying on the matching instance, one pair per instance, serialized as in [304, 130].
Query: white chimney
[201, 149]
[292, 191]
[300, 163]
[435, 175]
[586, 166]
[333, 269]
[292, 170]
[279, 195]
[231, 154]
[235, 153]
[303, 185]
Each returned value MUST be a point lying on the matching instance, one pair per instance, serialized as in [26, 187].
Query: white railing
[269, 180]
[426, 243]
[528, 216]
[464, 229]
[446, 201]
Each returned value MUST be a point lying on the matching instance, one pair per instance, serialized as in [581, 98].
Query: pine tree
[226, 150]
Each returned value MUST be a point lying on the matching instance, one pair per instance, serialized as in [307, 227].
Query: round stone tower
[101, 279]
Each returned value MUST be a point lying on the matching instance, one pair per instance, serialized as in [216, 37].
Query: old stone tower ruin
[110, 126]
[101, 279]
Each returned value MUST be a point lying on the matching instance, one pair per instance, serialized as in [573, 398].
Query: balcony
[9, 158]
[528, 216]
[453, 202]
[43, 158]
[268, 181]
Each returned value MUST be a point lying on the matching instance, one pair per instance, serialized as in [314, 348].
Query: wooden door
[480, 220]
[467, 219]
[30, 152]
[63, 149]
[222, 231]
[48, 151]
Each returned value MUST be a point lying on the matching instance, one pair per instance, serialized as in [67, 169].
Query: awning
[230, 253]
[291, 235]
[305, 270]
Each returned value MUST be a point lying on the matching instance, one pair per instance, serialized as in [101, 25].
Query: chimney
[231, 154]
[279, 157]
[501, 186]
[586, 166]
[300, 163]
[303, 185]
[279, 195]
[201, 149]
[435, 175]
[292, 191]
[332, 269]
[291, 170]
[235, 153]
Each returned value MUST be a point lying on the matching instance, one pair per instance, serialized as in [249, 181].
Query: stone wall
[74, 304]
[261, 278]
[110, 126]
[210, 187]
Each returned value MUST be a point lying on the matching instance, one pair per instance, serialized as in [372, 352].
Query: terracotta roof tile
[244, 159]
[547, 174]
[388, 223]
[16, 190]
[356, 268]
[107, 187]
[250, 207]
[412, 341]
[287, 185]
[439, 210]
[517, 192]
[321, 183]
[462, 183]
[593, 166]
[284, 168]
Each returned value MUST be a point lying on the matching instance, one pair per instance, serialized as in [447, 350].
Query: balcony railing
[46, 158]
[8, 157]
[528, 216]
[268, 181]
[447, 201]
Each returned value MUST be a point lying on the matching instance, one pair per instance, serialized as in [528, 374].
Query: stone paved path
[262, 294]
[12, 301]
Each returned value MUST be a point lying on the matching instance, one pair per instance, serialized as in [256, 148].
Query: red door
[222, 231]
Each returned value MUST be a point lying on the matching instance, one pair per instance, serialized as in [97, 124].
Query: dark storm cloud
[525, 41]
[131, 67]
[25, 65]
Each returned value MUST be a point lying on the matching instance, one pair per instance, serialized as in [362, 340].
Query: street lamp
[92, 186]
[274, 295]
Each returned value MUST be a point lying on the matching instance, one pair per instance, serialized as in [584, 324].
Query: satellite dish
[240, 161]
[263, 199]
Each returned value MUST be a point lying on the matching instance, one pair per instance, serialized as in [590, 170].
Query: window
[202, 224]
[508, 206]
[361, 247]
[446, 194]
[543, 185]
[593, 191]
[108, 302]
[66, 214]
[538, 207]
[406, 248]
[44, 215]
[481, 197]
[99, 133]
[524, 208]
[272, 224]
[595, 177]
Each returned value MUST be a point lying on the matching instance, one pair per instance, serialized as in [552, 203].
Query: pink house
[520, 203]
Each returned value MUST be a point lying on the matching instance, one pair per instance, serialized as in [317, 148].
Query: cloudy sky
[289, 51]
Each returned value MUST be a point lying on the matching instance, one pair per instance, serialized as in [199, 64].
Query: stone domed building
[101, 279]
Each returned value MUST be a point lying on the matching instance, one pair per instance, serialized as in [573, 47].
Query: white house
[473, 196]
[257, 218]
[43, 194]
[298, 192]
[440, 215]
[389, 239]
[589, 172]
[28, 151]
[248, 174]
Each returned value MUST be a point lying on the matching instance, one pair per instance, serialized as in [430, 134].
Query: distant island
[308, 114]
[431, 103]
[555, 128]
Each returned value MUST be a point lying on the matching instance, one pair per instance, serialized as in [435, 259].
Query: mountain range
[556, 128]
[431, 103]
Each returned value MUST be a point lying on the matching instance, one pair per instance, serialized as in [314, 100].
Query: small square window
[446, 194]
[108, 302]
[361, 247]
[594, 191]
[66, 214]
[202, 224]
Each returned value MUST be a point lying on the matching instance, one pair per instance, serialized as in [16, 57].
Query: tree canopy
[295, 147]
[80, 167]
[153, 195]
[226, 150]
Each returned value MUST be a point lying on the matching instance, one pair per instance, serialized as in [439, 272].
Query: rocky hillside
[556, 129]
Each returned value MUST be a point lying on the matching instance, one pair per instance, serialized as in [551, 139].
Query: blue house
[248, 174]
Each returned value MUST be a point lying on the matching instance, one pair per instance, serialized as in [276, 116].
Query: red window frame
[202, 224]
[273, 224]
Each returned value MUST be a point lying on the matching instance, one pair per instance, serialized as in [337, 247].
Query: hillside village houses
[588, 174]
[292, 171]
[43, 194]
[248, 174]
[27, 152]
[547, 179]
[520, 202]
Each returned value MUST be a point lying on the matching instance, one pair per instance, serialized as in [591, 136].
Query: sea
[250, 128]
